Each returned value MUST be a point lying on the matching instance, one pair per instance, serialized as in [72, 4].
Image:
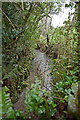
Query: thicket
[20, 32]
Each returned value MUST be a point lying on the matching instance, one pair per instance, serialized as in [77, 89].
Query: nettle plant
[39, 105]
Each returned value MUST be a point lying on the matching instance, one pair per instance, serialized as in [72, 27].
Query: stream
[41, 63]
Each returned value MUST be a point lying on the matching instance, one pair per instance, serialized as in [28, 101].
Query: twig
[53, 97]
[60, 98]
[48, 49]
[8, 19]
[11, 43]
[41, 25]
[49, 93]
[70, 28]
[49, 80]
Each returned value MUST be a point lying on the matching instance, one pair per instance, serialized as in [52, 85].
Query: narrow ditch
[39, 63]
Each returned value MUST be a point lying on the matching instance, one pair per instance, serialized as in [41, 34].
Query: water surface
[41, 62]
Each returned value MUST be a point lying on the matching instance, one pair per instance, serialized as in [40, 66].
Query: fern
[7, 110]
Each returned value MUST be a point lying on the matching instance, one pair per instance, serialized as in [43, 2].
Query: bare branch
[8, 19]
[49, 80]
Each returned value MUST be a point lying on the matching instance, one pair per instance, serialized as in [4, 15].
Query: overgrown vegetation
[24, 29]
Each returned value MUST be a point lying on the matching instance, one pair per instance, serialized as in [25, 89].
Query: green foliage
[19, 115]
[7, 110]
[64, 69]
[21, 33]
[41, 106]
[15, 81]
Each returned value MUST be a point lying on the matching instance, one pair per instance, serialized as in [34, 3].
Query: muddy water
[41, 63]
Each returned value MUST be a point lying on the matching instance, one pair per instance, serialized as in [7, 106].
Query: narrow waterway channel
[41, 63]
